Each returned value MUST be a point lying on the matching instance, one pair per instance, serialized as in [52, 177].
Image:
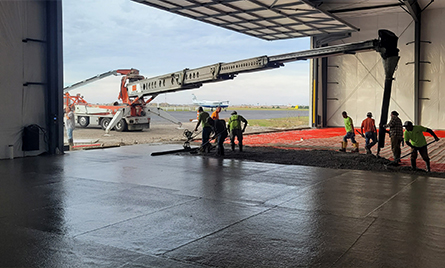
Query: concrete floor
[121, 207]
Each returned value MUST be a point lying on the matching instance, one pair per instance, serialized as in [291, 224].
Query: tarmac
[122, 207]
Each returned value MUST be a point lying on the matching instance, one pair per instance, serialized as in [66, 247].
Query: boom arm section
[194, 78]
[98, 77]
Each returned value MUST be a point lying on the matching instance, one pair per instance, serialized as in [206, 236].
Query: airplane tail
[194, 99]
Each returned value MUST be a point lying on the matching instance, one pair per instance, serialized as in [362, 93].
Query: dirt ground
[170, 133]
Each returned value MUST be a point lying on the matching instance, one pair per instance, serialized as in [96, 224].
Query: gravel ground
[319, 158]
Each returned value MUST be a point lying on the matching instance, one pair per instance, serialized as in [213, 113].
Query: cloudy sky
[104, 35]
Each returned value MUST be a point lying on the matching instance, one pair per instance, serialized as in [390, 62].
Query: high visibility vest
[234, 122]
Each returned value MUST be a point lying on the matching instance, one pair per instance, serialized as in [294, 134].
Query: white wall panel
[361, 77]
[432, 94]
[34, 69]
[11, 55]
[21, 62]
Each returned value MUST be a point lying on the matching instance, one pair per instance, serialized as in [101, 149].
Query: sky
[105, 35]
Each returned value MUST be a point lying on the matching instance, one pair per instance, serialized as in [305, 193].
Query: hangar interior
[31, 77]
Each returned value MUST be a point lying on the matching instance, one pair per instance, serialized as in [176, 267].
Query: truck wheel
[105, 122]
[83, 121]
[121, 125]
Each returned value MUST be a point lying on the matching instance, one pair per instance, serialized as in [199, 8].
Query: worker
[234, 127]
[206, 129]
[215, 114]
[349, 126]
[415, 139]
[220, 130]
[70, 124]
[395, 134]
[370, 132]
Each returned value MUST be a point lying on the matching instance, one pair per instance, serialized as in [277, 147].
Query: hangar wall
[23, 76]
[356, 82]
[432, 89]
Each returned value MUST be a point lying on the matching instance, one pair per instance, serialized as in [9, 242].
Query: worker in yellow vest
[235, 129]
[349, 126]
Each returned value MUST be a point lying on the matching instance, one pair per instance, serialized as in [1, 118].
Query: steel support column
[315, 72]
[324, 91]
[417, 41]
[415, 11]
[54, 76]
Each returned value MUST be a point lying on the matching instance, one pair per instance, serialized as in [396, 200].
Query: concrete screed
[121, 207]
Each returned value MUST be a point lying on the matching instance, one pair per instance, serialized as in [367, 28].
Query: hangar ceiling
[265, 19]
[284, 19]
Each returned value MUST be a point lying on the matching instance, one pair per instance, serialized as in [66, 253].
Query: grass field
[288, 122]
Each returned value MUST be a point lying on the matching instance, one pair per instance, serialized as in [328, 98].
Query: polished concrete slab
[121, 207]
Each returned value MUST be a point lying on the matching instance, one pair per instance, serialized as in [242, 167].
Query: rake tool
[396, 161]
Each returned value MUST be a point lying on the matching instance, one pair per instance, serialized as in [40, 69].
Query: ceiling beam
[413, 9]
[364, 8]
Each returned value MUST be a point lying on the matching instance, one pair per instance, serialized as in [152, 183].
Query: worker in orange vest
[369, 132]
[215, 114]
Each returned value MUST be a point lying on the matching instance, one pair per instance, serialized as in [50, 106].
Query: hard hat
[234, 112]
[395, 113]
[408, 123]
[369, 114]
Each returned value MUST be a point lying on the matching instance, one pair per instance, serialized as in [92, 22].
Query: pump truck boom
[386, 45]
[137, 87]
[195, 78]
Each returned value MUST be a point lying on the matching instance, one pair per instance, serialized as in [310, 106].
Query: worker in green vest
[349, 126]
[415, 139]
[235, 129]
[206, 129]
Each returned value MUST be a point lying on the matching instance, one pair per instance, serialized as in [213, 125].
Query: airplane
[210, 104]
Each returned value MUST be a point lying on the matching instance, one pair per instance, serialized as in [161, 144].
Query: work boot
[413, 164]
[343, 146]
[368, 151]
[355, 150]
[71, 144]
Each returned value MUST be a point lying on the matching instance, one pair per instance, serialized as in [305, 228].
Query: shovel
[395, 162]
